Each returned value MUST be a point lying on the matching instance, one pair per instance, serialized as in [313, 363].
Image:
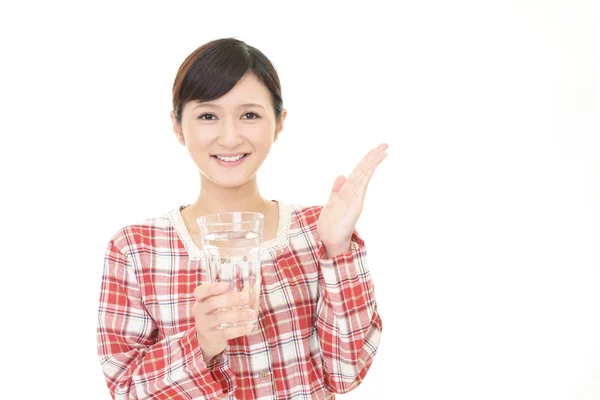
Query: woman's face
[217, 133]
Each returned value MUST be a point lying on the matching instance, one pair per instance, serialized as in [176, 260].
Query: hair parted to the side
[214, 68]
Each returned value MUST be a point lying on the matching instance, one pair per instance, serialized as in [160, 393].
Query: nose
[229, 135]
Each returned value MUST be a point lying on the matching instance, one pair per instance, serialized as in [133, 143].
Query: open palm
[340, 214]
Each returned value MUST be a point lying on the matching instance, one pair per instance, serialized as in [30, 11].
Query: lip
[230, 164]
[228, 154]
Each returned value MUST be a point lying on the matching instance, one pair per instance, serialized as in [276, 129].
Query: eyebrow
[239, 105]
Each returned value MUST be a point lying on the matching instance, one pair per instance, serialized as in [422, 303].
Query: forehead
[249, 89]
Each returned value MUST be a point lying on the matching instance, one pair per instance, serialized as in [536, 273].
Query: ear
[177, 129]
[279, 126]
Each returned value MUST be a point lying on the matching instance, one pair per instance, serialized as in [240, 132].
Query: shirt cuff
[217, 374]
[343, 266]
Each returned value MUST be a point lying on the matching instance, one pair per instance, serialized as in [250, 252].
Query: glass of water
[231, 243]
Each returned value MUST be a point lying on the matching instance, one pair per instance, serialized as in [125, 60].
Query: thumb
[337, 185]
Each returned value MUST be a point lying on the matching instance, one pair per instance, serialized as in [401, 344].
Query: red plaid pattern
[319, 326]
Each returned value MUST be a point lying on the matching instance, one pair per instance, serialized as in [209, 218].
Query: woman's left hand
[338, 217]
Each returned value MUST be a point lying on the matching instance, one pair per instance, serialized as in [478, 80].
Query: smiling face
[217, 133]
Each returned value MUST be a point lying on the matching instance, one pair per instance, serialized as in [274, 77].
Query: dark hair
[214, 68]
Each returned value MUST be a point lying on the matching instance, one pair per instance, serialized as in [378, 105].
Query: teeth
[230, 159]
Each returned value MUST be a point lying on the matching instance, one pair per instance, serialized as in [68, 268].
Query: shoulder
[142, 235]
[305, 217]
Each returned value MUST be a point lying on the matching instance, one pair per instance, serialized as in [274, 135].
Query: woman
[319, 329]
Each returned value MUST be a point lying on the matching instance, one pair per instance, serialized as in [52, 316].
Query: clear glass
[231, 243]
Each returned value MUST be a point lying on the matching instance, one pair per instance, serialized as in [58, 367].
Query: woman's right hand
[214, 306]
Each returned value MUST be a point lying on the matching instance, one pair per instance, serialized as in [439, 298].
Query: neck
[215, 199]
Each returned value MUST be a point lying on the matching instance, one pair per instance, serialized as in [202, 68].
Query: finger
[252, 295]
[359, 187]
[337, 185]
[374, 158]
[237, 331]
[207, 290]
[253, 298]
[238, 316]
[352, 177]
[365, 169]
[365, 162]
[224, 301]
[369, 170]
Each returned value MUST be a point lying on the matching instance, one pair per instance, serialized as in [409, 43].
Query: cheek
[261, 134]
[200, 136]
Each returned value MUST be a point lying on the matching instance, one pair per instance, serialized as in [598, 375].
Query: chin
[228, 183]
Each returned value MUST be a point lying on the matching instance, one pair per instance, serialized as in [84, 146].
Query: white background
[483, 225]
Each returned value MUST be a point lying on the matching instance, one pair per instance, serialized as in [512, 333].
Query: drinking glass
[231, 243]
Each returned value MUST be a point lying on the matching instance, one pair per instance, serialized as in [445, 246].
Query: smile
[230, 161]
[231, 158]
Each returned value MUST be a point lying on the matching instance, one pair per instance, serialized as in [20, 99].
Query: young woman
[318, 326]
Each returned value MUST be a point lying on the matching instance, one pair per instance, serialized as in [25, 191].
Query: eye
[207, 117]
[251, 115]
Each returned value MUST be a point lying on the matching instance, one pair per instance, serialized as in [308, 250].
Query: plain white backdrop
[482, 225]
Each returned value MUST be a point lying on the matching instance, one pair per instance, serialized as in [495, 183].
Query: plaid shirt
[318, 323]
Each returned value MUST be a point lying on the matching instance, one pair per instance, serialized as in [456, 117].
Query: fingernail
[243, 297]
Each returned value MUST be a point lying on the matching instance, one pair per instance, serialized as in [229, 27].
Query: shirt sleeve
[135, 364]
[348, 325]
